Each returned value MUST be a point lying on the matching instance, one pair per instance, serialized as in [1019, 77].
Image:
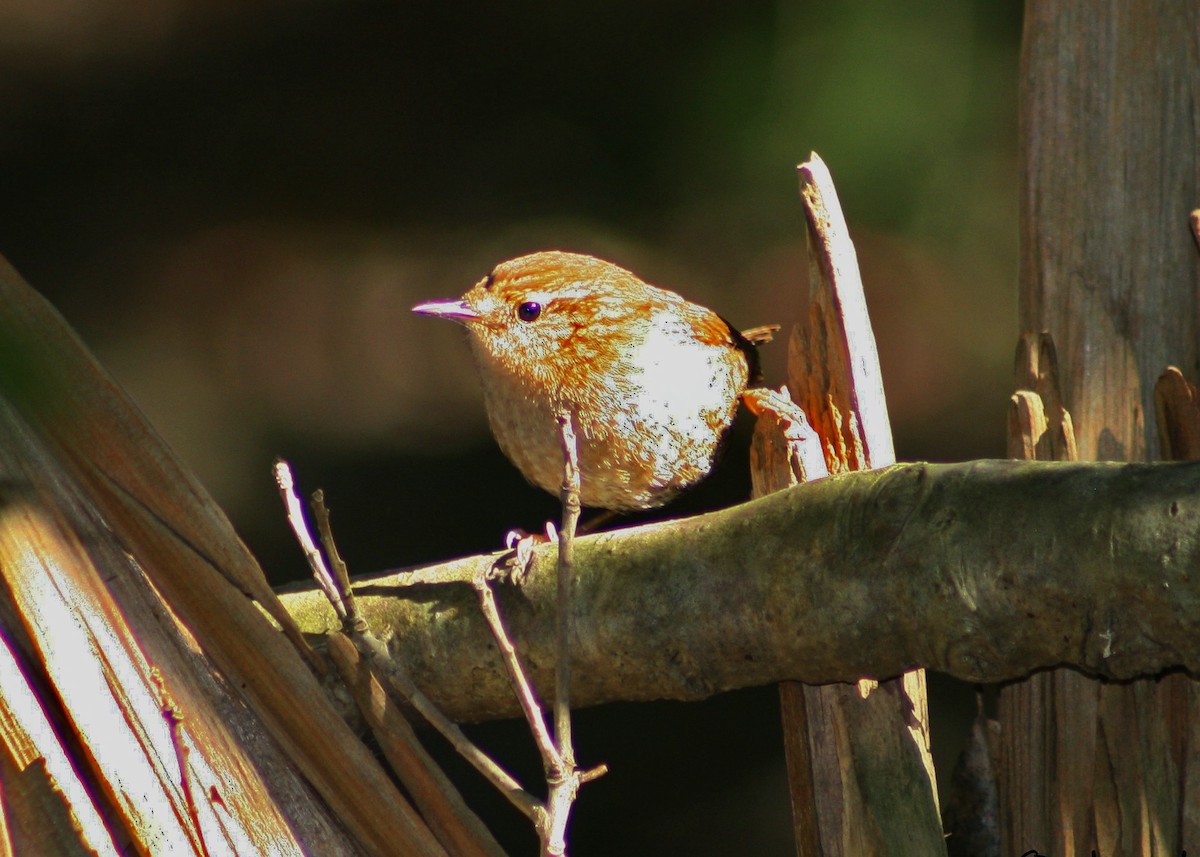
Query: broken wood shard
[1177, 407]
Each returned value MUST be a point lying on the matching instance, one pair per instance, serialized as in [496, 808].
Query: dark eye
[529, 311]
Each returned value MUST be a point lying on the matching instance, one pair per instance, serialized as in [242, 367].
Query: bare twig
[561, 774]
[295, 516]
[395, 678]
[566, 580]
[557, 751]
[336, 587]
[441, 805]
[340, 579]
[516, 672]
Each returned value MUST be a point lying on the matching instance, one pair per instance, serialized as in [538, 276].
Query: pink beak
[453, 310]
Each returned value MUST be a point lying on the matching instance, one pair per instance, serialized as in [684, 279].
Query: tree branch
[986, 571]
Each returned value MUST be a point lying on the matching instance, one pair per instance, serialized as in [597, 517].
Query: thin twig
[566, 580]
[295, 516]
[374, 650]
[534, 715]
[395, 677]
[341, 575]
[565, 778]
[557, 752]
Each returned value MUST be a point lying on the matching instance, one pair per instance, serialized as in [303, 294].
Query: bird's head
[550, 313]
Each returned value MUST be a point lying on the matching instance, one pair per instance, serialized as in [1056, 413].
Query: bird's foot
[514, 565]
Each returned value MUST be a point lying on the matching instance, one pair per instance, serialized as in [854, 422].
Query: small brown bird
[651, 381]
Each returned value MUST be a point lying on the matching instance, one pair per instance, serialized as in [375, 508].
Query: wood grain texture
[1111, 170]
[145, 561]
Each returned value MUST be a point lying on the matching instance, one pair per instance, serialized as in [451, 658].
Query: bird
[650, 380]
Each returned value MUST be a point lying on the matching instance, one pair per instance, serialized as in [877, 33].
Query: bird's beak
[454, 310]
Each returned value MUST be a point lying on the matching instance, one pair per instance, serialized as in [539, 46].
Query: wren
[651, 381]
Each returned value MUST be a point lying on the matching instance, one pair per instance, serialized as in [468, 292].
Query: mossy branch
[986, 570]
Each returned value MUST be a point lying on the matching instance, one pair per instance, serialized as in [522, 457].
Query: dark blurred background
[236, 204]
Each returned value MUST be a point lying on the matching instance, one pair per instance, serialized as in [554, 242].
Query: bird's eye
[529, 311]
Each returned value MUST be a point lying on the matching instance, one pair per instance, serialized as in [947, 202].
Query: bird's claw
[514, 565]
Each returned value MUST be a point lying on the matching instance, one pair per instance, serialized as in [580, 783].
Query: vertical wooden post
[859, 768]
[1110, 147]
[1110, 141]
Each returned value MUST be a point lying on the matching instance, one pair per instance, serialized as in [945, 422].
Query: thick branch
[985, 570]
